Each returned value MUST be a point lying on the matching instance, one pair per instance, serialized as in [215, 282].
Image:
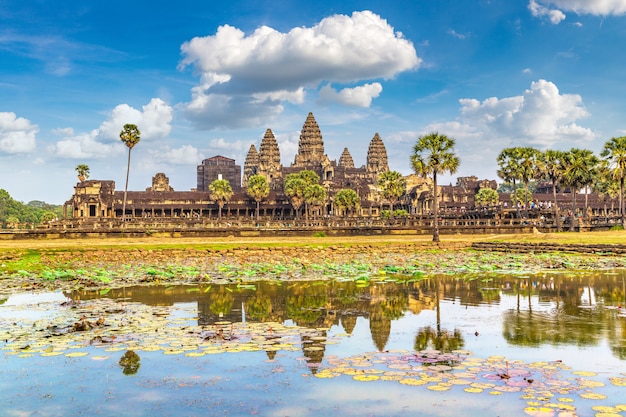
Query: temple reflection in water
[549, 309]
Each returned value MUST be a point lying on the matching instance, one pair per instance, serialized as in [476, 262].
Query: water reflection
[551, 309]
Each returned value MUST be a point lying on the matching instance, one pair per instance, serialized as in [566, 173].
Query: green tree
[614, 152]
[509, 168]
[581, 168]
[433, 154]
[130, 136]
[550, 167]
[347, 199]
[315, 196]
[258, 189]
[392, 186]
[83, 172]
[486, 197]
[527, 162]
[220, 191]
[294, 185]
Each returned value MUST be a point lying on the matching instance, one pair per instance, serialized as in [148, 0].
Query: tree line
[15, 214]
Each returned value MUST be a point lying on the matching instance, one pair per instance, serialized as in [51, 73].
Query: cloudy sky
[208, 78]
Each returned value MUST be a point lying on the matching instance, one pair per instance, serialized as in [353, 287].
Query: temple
[98, 200]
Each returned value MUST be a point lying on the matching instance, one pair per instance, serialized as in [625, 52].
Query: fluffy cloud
[537, 10]
[358, 96]
[540, 8]
[185, 155]
[85, 146]
[541, 116]
[258, 71]
[153, 120]
[17, 135]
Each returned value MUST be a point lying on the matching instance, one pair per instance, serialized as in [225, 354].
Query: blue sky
[208, 78]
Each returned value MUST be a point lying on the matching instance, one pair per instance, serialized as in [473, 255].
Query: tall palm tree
[130, 136]
[83, 172]
[527, 158]
[581, 168]
[433, 154]
[258, 188]
[550, 167]
[220, 191]
[509, 169]
[615, 153]
[392, 186]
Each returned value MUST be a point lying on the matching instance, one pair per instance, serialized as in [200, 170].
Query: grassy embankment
[37, 255]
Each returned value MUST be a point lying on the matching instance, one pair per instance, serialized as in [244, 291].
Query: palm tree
[581, 167]
[83, 172]
[550, 167]
[315, 196]
[527, 158]
[615, 153]
[130, 136]
[392, 186]
[433, 154]
[221, 191]
[509, 169]
[347, 199]
[258, 188]
[294, 186]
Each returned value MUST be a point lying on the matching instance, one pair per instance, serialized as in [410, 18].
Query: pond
[544, 345]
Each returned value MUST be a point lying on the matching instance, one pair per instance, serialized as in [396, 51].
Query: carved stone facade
[160, 183]
[98, 199]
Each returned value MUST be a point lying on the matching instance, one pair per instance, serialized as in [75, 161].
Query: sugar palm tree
[550, 167]
[392, 186]
[220, 191]
[130, 136]
[581, 167]
[509, 169]
[527, 158]
[83, 172]
[295, 184]
[615, 153]
[433, 154]
[258, 188]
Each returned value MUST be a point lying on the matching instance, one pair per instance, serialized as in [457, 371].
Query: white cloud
[153, 120]
[541, 116]
[185, 155]
[540, 8]
[85, 146]
[360, 96]
[17, 135]
[258, 71]
[537, 10]
[63, 131]
[457, 34]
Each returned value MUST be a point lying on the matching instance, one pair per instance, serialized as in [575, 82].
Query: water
[321, 348]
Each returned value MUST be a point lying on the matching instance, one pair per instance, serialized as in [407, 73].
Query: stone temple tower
[251, 166]
[345, 160]
[311, 145]
[377, 162]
